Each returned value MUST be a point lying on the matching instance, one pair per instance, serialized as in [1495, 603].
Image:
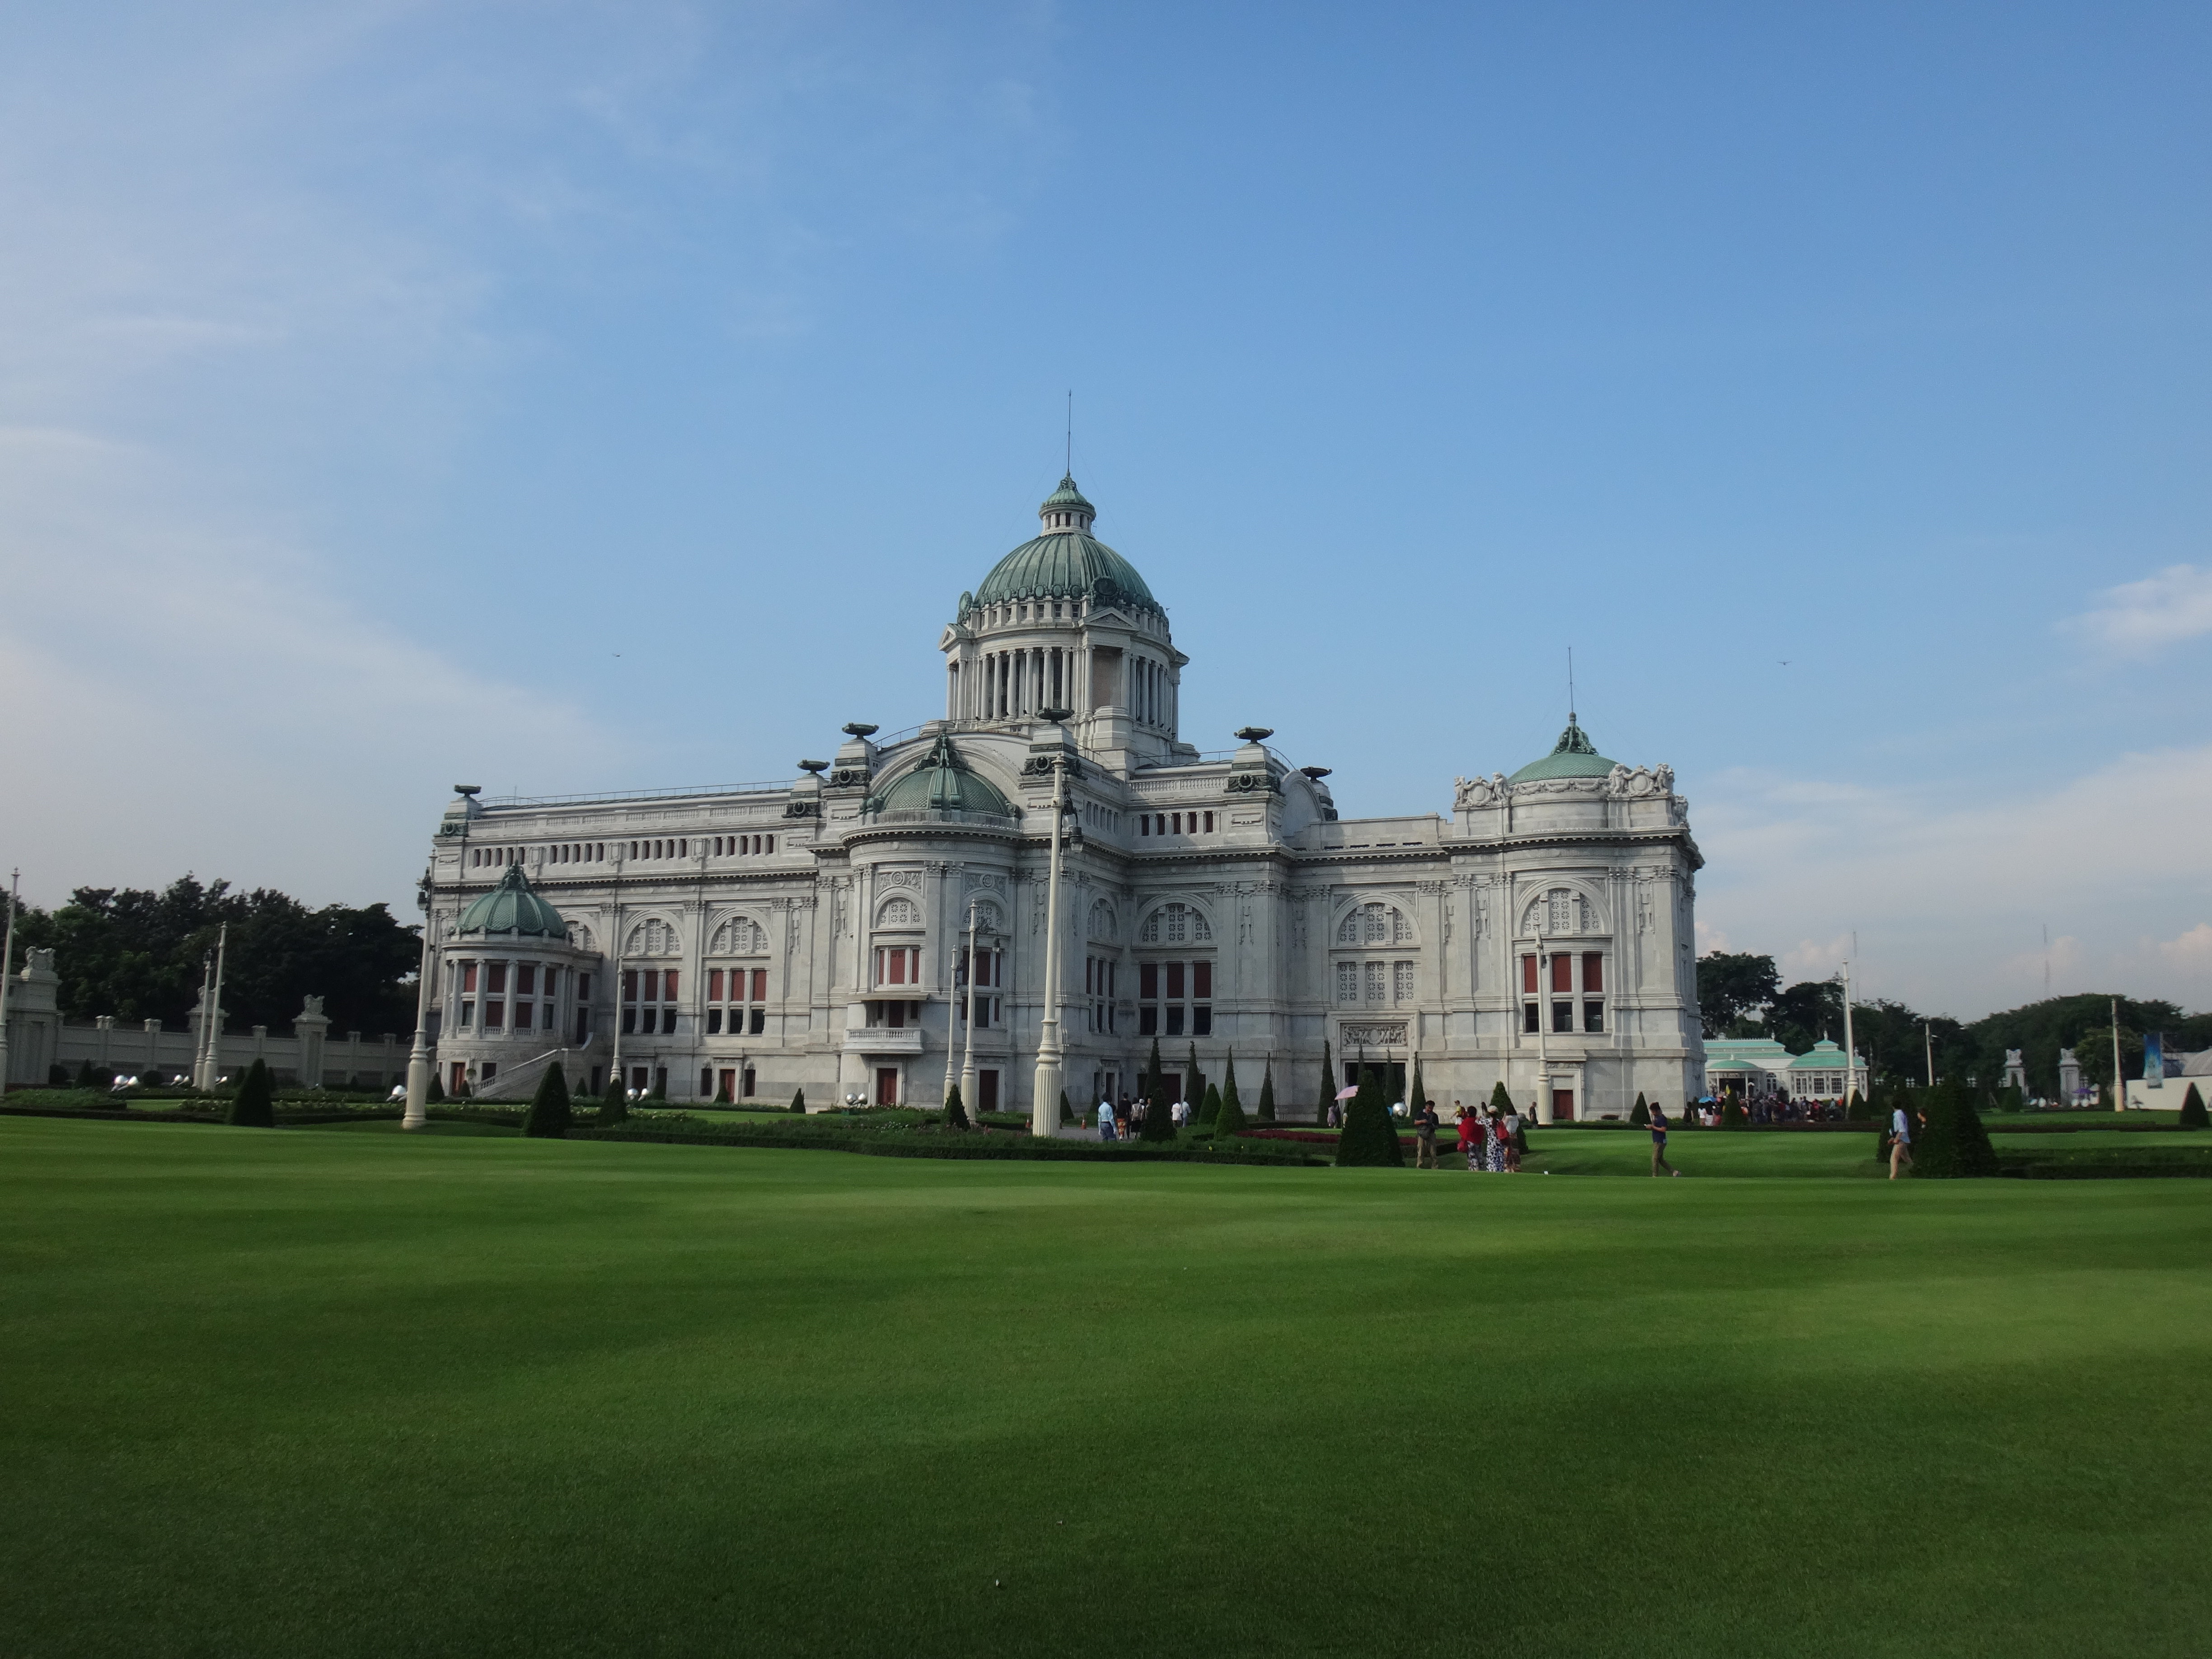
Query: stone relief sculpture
[1470, 793]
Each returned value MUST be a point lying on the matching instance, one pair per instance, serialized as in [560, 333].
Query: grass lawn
[345, 1393]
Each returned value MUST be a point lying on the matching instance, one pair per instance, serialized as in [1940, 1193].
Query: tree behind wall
[549, 1116]
[254, 1105]
[1369, 1139]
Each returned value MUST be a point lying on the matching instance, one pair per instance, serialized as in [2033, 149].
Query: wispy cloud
[2145, 617]
[1944, 893]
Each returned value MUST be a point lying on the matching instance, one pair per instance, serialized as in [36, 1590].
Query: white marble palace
[822, 933]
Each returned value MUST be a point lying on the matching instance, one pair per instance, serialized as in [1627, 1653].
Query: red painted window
[1593, 970]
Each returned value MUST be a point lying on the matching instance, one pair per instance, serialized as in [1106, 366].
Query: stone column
[310, 1027]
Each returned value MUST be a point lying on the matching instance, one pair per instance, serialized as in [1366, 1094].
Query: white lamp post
[418, 1057]
[7, 971]
[210, 1066]
[1044, 1101]
[967, 1050]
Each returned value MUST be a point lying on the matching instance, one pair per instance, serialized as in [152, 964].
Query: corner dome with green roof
[1066, 561]
[1573, 756]
[511, 908]
[943, 783]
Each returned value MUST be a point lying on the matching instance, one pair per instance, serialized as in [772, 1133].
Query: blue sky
[581, 397]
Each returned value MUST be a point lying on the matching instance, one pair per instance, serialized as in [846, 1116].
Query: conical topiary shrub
[1228, 1087]
[1194, 1082]
[1158, 1126]
[1417, 1094]
[1209, 1108]
[1327, 1084]
[1954, 1143]
[614, 1104]
[1855, 1110]
[1229, 1119]
[956, 1112]
[254, 1105]
[1268, 1094]
[1733, 1116]
[549, 1116]
[2193, 1116]
[1640, 1112]
[1067, 1111]
[435, 1094]
[1502, 1098]
[798, 1102]
[1370, 1139]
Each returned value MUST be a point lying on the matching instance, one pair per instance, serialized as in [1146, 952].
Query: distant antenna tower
[1069, 469]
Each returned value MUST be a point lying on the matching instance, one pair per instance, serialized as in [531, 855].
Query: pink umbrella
[1346, 1094]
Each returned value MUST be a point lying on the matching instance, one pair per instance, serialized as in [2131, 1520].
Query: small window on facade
[525, 979]
[1593, 1016]
[495, 978]
[1593, 970]
[469, 976]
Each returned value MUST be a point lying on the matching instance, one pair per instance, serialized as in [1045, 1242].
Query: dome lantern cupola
[1065, 512]
[1573, 756]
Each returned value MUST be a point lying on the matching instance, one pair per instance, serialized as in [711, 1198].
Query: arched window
[1374, 924]
[1102, 922]
[899, 913]
[1176, 924]
[740, 936]
[581, 936]
[652, 937]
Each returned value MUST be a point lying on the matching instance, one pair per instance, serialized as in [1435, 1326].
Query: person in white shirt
[1105, 1119]
[1900, 1141]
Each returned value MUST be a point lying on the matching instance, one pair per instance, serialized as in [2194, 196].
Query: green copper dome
[1573, 756]
[511, 908]
[943, 783]
[1067, 562]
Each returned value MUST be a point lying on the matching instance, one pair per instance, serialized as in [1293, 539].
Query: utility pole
[7, 972]
[1544, 1022]
[614, 984]
[418, 1056]
[1044, 1102]
[1927, 1034]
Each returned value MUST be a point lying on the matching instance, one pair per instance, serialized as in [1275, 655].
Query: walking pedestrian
[1496, 1132]
[1900, 1141]
[1424, 1136]
[1516, 1141]
[1105, 1119]
[1465, 1122]
[1659, 1141]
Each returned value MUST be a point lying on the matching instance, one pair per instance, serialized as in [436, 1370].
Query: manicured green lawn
[361, 1393]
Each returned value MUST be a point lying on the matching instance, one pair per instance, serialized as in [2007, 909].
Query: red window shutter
[1174, 982]
[1528, 975]
[1593, 970]
[1148, 980]
[668, 986]
[713, 985]
[630, 985]
[1563, 971]
[1201, 980]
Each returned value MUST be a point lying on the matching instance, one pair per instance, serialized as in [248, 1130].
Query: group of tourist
[1778, 1109]
[1125, 1121]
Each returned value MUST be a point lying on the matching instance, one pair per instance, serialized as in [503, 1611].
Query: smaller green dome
[943, 783]
[511, 908]
[1573, 756]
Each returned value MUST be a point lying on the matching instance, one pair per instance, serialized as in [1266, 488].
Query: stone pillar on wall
[153, 1046]
[310, 1026]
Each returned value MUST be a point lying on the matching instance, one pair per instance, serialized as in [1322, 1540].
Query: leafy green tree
[1640, 1112]
[1954, 1143]
[956, 1112]
[2193, 1115]
[1733, 988]
[1370, 1139]
[136, 954]
[1268, 1093]
[1808, 1011]
[549, 1116]
[254, 1105]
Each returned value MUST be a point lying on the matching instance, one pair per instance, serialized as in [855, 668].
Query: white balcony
[884, 1040]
